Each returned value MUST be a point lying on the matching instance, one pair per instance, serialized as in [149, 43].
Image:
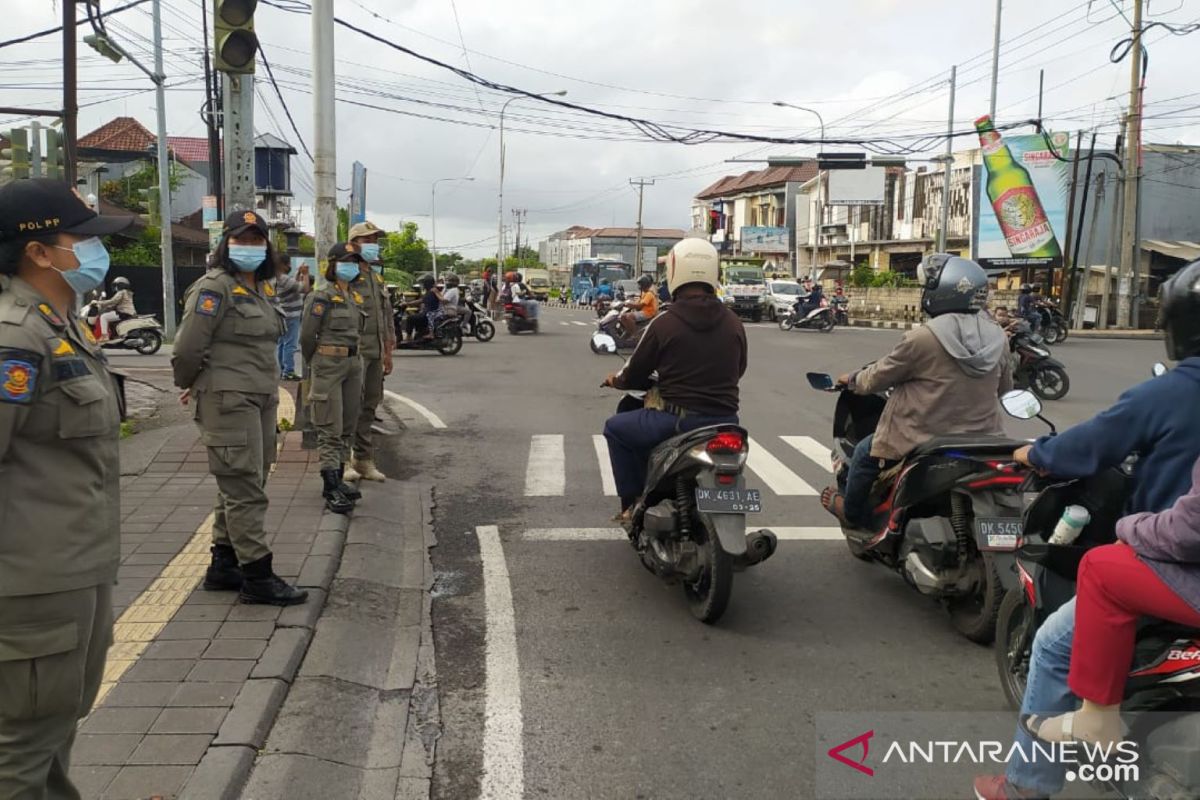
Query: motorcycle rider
[810, 299]
[642, 309]
[116, 308]
[1027, 306]
[698, 348]
[1155, 419]
[604, 292]
[451, 296]
[945, 376]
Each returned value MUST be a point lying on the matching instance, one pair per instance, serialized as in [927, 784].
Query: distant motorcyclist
[642, 309]
[1027, 302]
[452, 297]
[698, 348]
[945, 378]
[810, 298]
[116, 308]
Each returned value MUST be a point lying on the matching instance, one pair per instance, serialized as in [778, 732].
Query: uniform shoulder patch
[379, 279]
[358, 298]
[18, 375]
[337, 298]
[208, 303]
[241, 290]
[50, 314]
[318, 308]
[61, 347]
[268, 290]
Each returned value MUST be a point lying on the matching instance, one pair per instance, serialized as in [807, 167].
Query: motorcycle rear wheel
[709, 596]
[975, 616]
[450, 342]
[1014, 642]
[485, 330]
[1050, 383]
[828, 324]
[150, 342]
[786, 322]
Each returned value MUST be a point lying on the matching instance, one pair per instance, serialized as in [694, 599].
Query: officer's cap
[240, 221]
[345, 251]
[362, 229]
[44, 207]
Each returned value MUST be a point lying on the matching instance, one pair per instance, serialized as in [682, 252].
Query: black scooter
[1036, 368]
[447, 336]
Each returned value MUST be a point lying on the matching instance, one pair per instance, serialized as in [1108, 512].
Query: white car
[781, 297]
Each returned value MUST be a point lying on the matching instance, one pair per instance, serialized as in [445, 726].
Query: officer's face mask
[377, 269]
[370, 251]
[347, 270]
[247, 257]
[93, 265]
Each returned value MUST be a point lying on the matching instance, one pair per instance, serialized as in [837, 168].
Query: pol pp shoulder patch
[208, 303]
[18, 375]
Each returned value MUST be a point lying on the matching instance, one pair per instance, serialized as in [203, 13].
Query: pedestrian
[60, 539]
[378, 341]
[289, 297]
[225, 362]
[330, 335]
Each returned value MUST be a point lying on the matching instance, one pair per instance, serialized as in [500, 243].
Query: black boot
[335, 500]
[351, 492]
[261, 585]
[223, 573]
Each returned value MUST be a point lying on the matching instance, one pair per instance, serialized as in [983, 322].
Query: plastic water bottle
[1070, 525]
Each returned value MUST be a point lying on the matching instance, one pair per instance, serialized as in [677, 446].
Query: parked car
[781, 296]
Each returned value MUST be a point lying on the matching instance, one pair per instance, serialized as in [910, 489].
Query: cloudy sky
[872, 68]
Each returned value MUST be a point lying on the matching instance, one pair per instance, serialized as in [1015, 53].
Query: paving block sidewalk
[194, 679]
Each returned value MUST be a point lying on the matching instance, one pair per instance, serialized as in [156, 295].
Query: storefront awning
[1187, 251]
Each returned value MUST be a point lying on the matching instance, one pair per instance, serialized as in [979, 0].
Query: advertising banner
[1020, 200]
[358, 194]
[856, 187]
[764, 240]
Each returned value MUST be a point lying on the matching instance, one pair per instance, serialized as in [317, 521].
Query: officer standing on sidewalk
[60, 539]
[378, 340]
[330, 334]
[225, 359]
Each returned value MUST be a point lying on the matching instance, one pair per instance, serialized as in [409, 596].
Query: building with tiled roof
[562, 249]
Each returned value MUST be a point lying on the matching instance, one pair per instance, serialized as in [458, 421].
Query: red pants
[1115, 589]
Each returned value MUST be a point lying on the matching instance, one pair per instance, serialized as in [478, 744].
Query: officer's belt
[336, 350]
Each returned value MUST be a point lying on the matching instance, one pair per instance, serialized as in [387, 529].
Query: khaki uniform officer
[225, 360]
[378, 340]
[330, 334]
[60, 514]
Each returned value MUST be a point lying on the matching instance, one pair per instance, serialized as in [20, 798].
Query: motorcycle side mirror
[1159, 369]
[604, 343]
[1022, 404]
[820, 381]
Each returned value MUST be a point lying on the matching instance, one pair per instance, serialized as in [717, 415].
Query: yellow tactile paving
[147, 615]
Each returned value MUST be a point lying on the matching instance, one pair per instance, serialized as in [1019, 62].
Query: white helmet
[693, 261]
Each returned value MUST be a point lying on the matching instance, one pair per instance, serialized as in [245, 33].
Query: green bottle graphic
[1011, 191]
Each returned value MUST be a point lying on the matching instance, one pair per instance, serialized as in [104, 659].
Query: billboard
[764, 240]
[1020, 201]
[358, 194]
[856, 187]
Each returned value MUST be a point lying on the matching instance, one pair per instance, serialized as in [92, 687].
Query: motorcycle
[475, 322]
[447, 336]
[1054, 327]
[1036, 369]
[820, 318]
[841, 310]
[142, 333]
[610, 326]
[945, 517]
[689, 527]
[518, 317]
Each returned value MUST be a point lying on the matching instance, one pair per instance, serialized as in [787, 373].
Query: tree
[406, 251]
[130, 192]
[145, 251]
[343, 224]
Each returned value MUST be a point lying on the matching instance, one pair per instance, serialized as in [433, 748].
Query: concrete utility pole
[238, 91]
[325, 142]
[164, 180]
[70, 92]
[943, 230]
[641, 183]
[996, 63]
[1112, 255]
[1133, 176]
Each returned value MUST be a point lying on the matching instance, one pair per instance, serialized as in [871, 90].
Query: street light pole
[433, 220]
[500, 209]
[820, 185]
[943, 233]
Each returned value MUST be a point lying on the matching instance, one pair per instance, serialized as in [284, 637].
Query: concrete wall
[904, 304]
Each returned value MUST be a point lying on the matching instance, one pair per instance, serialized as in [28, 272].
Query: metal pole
[641, 183]
[1081, 282]
[1070, 237]
[210, 117]
[70, 92]
[1114, 248]
[943, 232]
[433, 225]
[1041, 87]
[1133, 174]
[1071, 278]
[325, 141]
[996, 62]
[164, 180]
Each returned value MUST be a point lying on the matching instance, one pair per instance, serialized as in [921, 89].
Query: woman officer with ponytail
[225, 362]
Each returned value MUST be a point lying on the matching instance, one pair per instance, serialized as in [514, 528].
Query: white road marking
[577, 322]
[785, 533]
[605, 463]
[775, 474]
[808, 534]
[433, 419]
[811, 448]
[564, 322]
[503, 728]
[545, 474]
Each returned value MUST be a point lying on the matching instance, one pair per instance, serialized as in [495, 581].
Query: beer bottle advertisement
[1020, 199]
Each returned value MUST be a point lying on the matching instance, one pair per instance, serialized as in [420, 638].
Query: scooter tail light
[727, 442]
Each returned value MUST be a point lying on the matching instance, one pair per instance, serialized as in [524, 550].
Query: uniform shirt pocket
[250, 320]
[82, 412]
[36, 675]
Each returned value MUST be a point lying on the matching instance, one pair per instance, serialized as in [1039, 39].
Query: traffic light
[56, 157]
[233, 36]
[14, 159]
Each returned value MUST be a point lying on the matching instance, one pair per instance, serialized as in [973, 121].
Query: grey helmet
[121, 283]
[1179, 312]
[952, 285]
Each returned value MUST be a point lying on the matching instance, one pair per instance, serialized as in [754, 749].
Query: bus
[587, 273]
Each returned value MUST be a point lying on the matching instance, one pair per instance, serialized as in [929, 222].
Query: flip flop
[833, 502]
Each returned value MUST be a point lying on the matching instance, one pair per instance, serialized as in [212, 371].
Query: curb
[1078, 334]
[229, 759]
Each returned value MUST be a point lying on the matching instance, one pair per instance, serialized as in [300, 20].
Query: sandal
[1043, 729]
[833, 502]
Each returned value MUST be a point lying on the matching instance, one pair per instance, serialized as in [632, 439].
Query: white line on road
[606, 472]
[545, 474]
[811, 448]
[433, 419]
[503, 750]
[564, 322]
[785, 534]
[775, 474]
[577, 322]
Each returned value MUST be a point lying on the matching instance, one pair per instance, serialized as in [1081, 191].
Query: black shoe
[262, 586]
[351, 493]
[335, 500]
[223, 573]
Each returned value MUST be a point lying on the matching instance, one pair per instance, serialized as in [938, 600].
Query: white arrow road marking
[784, 533]
[605, 463]
[503, 727]
[564, 322]
[545, 474]
[577, 322]
[775, 474]
[433, 419]
[811, 448]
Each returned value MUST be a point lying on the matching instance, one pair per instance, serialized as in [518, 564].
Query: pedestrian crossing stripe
[784, 533]
[811, 448]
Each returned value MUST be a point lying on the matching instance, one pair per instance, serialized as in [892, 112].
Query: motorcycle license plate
[728, 501]
[998, 533]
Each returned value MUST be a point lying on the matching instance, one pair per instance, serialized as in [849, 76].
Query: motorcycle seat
[1152, 626]
[972, 443]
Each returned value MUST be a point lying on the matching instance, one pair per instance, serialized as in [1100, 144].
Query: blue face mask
[377, 269]
[347, 270]
[370, 251]
[247, 257]
[93, 265]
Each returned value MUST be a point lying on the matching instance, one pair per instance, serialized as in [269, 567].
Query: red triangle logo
[862, 739]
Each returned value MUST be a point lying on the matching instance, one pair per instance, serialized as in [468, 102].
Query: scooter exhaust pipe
[922, 576]
[760, 545]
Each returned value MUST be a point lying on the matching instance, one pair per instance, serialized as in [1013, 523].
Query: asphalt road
[596, 682]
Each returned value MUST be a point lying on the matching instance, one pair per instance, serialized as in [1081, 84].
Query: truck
[538, 281]
[744, 289]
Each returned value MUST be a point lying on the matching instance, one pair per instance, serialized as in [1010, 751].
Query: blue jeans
[286, 351]
[1046, 694]
[633, 435]
[860, 477]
